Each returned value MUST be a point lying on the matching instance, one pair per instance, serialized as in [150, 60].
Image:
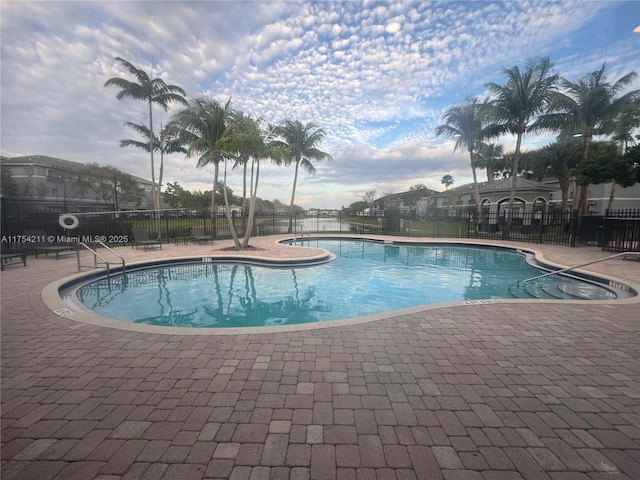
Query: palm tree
[300, 141]
[202, 125]
[260, 143]
[241, 140]
[591, 107]
[465, 123]
[491, 158]
[167, 142]
[152, 91]
[515, 106]
[626, 122]
[447, 180]
[247, 142]
[558, 159]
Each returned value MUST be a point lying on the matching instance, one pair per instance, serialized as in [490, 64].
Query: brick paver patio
[544, 390]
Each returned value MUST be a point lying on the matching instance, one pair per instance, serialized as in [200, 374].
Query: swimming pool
[365, 278]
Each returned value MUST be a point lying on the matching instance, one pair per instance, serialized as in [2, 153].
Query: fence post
[574, 227]
[604, 237]
[542, 223]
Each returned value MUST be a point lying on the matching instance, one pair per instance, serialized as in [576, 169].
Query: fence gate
[621, 231]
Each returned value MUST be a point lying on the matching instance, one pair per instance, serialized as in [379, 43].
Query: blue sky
[376, 76]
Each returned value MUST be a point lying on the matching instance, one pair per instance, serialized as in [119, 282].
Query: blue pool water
[364, 279]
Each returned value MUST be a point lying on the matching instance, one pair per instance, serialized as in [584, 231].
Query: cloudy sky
[376, 76]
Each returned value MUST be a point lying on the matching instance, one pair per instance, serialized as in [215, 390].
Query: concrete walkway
[511, 390]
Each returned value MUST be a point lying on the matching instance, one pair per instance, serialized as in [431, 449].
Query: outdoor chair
[12, 254]
[141, 238]
[40, 242]
[197, 235]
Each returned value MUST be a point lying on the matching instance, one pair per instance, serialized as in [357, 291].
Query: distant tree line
[199, 202]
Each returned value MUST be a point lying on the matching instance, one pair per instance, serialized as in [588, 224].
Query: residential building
[531, 196]
[406, 202]
[57, 185]
[236, 210]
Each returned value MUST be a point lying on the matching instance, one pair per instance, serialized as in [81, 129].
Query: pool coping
[51, 293]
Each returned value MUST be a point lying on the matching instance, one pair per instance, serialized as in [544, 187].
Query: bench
[41, 244]
[10, 255]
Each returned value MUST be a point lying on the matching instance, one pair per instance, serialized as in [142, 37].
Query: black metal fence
[615, 231]
[621, 231]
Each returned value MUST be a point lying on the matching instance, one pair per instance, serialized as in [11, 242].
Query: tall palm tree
[241, 140]
[202, 125]
[167, 142]
[261, 145]
[591, 107]
[301, 144]
[516, 104]
[465, 123]
[247, 141]
[152, 91]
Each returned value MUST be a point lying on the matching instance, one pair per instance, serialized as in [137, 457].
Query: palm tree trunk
[293, 197]
[154, 197]
[244, 194]
[232, 227]
[565, 183]
[611, 195]
[151, 151]
[159, 189]
[213, 200]
[584, 189]
[475, 188]
[514, 178]
[252, 207]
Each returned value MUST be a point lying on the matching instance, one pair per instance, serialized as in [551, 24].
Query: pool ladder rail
[303, 230]
[526, 285]
[568, 269]
[97, 256]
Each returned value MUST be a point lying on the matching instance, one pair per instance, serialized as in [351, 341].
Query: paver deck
[512, 390]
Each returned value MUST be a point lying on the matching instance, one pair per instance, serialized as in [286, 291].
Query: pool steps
[557, 288]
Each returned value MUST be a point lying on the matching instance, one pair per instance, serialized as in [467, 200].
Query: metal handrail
[115, 253]
[96, 255]
[302, 230]
[578, 266]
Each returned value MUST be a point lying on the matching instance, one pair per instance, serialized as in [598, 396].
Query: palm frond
[308, 166]
[138, 127]
[134, 70]
[135, 143]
